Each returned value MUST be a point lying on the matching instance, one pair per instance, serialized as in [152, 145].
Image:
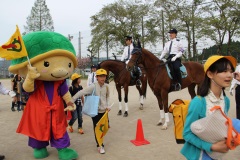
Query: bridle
[134, 51]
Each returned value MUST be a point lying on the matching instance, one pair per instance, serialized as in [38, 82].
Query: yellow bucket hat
[214, 58]
[101, 72]
[75, 76]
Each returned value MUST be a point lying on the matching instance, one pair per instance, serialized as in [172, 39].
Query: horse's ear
[134, 45]
[139, 44]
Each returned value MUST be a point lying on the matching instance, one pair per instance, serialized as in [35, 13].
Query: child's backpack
[179, 110]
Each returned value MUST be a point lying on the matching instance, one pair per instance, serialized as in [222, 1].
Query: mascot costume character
[53, 59]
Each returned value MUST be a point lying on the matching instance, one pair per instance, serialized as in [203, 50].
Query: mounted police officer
[92, 76]
[174, 50]
[127, 55]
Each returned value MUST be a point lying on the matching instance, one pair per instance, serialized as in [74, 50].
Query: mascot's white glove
[231, 91]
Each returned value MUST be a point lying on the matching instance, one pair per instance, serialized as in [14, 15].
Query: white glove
[164, 60]
[231, 91]
[174, 58]
[12, 94]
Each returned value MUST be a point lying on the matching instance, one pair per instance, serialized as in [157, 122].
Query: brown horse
[159, 80]
[122, 78]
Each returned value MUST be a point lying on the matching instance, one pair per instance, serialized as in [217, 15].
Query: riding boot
[138, 82]
[179, 80]
[137, 75]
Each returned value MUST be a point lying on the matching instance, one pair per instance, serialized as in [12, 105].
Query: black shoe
[19, 109]
[2, 157]
[13, 109]
[125, 114]
[138, 82]
[119, 112]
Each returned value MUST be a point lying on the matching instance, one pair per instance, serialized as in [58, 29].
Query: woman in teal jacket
[218, 75]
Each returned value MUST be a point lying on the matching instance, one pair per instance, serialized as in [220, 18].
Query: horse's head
[136, 57]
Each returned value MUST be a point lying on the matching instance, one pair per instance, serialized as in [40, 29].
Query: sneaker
[13, 109]
[70, 129]
[80, 130]
[101, 150]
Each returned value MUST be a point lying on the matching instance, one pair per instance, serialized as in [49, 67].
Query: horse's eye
[46, 64]
[69, 65]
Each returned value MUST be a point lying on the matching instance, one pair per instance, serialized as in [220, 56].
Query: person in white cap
[174, 50]
[92, 75]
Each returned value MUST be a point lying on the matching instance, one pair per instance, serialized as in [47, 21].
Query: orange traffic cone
[69, 115]
[139, 135]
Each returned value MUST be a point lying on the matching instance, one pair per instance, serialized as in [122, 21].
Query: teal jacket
[193, 145]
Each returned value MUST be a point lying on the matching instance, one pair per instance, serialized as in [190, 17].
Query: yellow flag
[101, 128]
[14, 48]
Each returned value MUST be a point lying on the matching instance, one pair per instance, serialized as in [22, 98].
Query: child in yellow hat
[76, 114]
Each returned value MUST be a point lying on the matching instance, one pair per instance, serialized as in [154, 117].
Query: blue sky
[69, 17]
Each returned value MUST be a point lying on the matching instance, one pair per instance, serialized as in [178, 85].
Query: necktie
[170, 47]
[93, 78]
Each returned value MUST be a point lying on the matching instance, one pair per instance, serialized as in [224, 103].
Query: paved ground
[117, 141]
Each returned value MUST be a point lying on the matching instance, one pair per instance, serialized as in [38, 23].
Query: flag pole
[29, 61]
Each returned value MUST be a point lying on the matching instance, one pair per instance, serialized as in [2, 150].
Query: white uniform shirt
[91, 78]
[125, 53]
[234, 81]
[177, 48]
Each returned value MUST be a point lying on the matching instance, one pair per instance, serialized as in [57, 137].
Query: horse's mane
[112, 60]
[143, 49]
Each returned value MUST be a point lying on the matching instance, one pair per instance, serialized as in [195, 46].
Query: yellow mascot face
[54, 68]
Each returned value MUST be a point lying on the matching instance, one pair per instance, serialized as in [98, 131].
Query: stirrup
[138, 82]
[178, 87]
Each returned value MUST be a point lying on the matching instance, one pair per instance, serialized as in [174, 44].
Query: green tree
[222, 22]
[114, 21]
[39, 18]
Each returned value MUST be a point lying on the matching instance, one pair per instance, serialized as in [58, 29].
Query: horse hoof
[164, 128]
[125, 114]
[159, 124]
[141, 107]
[119, 112]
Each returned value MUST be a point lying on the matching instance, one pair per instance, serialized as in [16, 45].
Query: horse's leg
[126, 100]
[191, 90]
[119, 99]
[160, 104]
[141, 96]
[164, 94]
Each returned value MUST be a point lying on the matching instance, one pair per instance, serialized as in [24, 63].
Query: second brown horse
[122, 78]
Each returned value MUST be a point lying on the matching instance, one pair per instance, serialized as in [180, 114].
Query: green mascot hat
[41, 45]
